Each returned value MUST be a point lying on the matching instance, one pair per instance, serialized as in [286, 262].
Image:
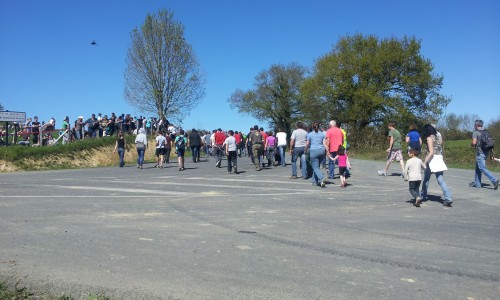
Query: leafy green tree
[366, 81]
[162, 74]
[275, 98]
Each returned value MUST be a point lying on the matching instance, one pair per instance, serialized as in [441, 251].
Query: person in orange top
[335, 139]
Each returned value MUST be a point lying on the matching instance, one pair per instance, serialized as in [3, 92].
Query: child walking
[413, 173]
[344, 165]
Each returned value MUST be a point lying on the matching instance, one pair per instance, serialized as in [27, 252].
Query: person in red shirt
[219, 140]
[238, 139]
[335, 139]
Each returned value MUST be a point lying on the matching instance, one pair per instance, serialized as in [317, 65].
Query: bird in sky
[93, 43]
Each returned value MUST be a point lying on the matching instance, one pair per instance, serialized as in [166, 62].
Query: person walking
[298, 142]
[219, 152]
[180, 148]
[231, 152]
[194, 143]
[281, 137]
[479, 137]
[120, 147]
[334, 139]
[257, 141]
[413, 139]
[269, 148]
[160, 149]
[434, 163]
[413, 174]
[317, 145]
[141, 144]
[395, 149]
[344, 165]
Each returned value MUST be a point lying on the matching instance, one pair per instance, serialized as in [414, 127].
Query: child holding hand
[344, 165]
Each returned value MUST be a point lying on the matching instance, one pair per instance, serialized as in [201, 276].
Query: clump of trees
[363, 82]
[460, 127]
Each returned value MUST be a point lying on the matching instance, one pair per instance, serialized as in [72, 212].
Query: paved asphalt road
[204, 234]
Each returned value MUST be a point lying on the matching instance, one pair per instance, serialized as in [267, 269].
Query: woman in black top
[120, 146]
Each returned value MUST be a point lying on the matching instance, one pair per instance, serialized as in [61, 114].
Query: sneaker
[323, 183]
[293, 177]
[418, 200]
[495, 185]
[472, 184]
[381, 173]
[235, 170]
[447, 203]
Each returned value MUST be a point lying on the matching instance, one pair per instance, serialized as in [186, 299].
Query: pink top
[271, 141]
[342, 160]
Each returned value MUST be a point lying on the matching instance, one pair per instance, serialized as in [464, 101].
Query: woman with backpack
[483, 143]
[180, 148]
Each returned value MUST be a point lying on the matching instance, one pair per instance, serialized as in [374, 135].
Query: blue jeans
[195, 152]
[317, 156]
[441, 182]
[121, 153]
[140, 157]
[270, 155]
[481, 168]
[299, 152]
[282, 150]
[218, 152]
[331, 165]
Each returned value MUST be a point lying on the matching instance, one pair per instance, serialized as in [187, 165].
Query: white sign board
[12, 116]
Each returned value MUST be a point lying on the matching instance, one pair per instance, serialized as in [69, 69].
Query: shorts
[342, 170]
[395, 154]
[160, 151]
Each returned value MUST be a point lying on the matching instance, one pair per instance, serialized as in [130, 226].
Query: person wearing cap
[79, 128]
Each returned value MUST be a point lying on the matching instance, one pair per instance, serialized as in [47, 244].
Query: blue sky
[48, 67]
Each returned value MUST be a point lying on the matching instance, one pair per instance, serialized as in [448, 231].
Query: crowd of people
[81, 128]
[433, 162]
[311, 148]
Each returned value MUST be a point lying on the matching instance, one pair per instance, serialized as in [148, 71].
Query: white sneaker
[382, 173]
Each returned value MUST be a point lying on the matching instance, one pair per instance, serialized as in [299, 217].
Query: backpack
[486, 140]
[180, 143]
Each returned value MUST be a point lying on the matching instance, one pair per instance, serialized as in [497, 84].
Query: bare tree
[162, 75]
